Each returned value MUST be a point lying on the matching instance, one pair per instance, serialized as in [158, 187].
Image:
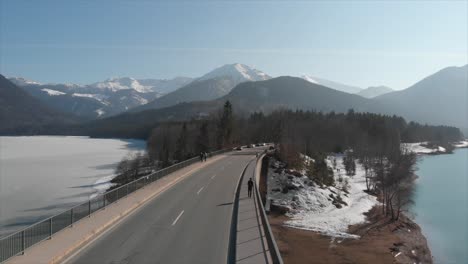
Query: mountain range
[437, 99]
[101, 99]
[210, 86]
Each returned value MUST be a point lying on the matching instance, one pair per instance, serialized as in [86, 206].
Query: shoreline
[381, 241]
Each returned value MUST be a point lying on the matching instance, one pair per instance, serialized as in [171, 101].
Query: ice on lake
[43, 175]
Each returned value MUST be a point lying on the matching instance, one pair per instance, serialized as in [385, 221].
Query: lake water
[441, 205]
[43, 175]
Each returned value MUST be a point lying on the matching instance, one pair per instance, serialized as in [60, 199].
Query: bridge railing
[19, 241]
[273, 247]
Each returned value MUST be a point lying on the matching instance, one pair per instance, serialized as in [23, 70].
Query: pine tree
[225, 126]
[203, 139]
[181, 152]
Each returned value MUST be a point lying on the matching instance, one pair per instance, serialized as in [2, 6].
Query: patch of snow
[99, 97]
[100, 112]
[52, 92]
[309, 79]
[312, 208]
[125, 83]
[461, 144]
[420, 148]
[20, 81]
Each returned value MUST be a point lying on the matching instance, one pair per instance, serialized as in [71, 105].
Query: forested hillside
[20, 113]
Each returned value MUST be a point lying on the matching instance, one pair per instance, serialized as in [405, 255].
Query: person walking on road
[201, 156]
[204, 156]
[250, 187]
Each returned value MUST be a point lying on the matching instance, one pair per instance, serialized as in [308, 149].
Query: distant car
[258, 145]
[271, 148]
[250, 146]
[239, 148]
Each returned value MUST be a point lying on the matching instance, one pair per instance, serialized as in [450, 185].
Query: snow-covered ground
[313, 208]
[461, 144]
[422, 148]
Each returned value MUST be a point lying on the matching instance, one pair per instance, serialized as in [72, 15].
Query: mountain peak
[238, 72]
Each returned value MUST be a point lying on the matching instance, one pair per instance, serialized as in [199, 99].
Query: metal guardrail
[16, 243]
[272, 246]
[231, 258]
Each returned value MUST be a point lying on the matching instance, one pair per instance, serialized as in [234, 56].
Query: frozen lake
[43, 175]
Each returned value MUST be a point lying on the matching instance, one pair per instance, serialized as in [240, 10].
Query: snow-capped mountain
[212, 85]
[125, 83]
[100, 99]
[331, 84]
[237, 72]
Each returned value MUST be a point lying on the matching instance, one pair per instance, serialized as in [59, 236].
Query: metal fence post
[89, 208]
[50, 226]
[104, 201]
[23, 244]
[71, 217]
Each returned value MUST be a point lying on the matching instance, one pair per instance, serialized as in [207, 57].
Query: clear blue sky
[361, 43]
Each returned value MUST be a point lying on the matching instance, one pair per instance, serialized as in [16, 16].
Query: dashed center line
[177, 219]
[200, 190]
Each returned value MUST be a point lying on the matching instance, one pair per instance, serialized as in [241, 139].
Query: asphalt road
[189, 223]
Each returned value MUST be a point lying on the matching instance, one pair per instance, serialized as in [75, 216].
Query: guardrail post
[50, 228]
[71, 217]
[23, 242]
[89, 208]
[104, 201]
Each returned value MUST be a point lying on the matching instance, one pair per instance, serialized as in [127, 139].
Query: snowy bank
[423, 148]
[461, 144]
[328, 210]
[429, 148]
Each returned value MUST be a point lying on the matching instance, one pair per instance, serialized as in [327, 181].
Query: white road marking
[200, 190]
[212, 177]
[177, 219]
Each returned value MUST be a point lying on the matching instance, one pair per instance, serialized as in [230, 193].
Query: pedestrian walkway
[67, 241]
[251, 246]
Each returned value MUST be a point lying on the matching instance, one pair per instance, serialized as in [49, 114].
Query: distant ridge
[21, 113]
